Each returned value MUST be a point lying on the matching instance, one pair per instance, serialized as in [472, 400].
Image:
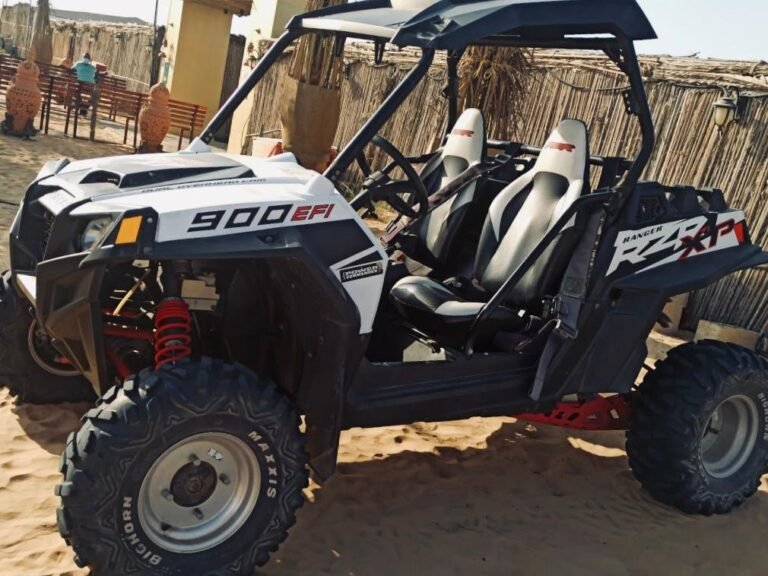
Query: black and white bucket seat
[517, 221]
[438, 232]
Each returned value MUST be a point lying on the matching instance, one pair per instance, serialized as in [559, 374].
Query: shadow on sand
[533, 501]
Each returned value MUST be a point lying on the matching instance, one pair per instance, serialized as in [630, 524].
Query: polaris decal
[242, 219]
[677, 241]
[207, 183]
[361, 271]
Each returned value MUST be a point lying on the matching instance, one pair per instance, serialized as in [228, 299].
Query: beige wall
[198, 43]
[269, 17]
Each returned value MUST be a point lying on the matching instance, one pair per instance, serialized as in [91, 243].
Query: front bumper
[66, 301]
[62, 283]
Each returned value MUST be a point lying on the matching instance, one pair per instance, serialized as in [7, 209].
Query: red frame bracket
[600, 413]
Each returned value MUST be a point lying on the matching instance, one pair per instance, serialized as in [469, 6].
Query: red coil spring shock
[173, 332]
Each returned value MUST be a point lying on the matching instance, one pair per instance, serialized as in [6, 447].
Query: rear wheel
[192, 469]
[699, 434]
[29, 364]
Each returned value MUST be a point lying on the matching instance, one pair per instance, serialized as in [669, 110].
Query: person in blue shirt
[85, 72]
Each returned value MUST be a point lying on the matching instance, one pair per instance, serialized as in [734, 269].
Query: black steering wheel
[402, 195]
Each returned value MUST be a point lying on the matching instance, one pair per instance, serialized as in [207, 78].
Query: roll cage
[610, 26]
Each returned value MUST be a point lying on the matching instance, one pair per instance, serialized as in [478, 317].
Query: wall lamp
[729, 108]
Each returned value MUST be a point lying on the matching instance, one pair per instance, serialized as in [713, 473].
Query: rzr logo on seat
[560, 146]
[677, 241]
[242, 218]
[463, 132]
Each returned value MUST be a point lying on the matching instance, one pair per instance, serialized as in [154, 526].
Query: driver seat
[438, 232]
[518, 219]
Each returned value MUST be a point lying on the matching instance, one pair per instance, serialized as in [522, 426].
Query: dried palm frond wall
[42, 35]
[490, 76]
[689, 148]
[314, 61]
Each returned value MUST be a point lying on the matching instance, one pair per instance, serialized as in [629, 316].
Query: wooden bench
[57, 85]
[120, 103]
[79, 97]
[7, 75]
[113, 82]
[187, 118]
[63, 95]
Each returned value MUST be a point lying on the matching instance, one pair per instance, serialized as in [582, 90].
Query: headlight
[94, 233]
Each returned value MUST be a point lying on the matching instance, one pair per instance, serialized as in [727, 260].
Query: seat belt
[573, 290]
[572, 298]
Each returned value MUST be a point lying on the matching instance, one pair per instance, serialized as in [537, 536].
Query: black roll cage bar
[619, 49]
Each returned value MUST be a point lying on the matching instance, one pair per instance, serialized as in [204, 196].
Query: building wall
[269, 17]
[198, 45]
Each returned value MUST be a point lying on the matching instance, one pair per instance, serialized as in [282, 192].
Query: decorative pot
[155, 119]
[310, 117]
[23, 100]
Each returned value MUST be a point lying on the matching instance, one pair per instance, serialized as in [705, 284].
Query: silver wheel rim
[32, 343]
[180, 507]
[730, 436]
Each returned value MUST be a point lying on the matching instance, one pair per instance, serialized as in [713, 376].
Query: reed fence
[690, 149]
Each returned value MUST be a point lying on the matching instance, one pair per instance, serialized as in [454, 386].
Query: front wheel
[192, 469]
[699, 433]
[29, 364]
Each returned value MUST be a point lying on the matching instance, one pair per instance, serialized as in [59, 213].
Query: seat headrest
[467, 139]
[566, 151]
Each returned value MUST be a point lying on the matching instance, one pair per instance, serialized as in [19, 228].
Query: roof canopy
[453, 24]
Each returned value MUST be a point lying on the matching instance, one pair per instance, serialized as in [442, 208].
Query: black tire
[671, 442]
[18, 369]
[135, 425]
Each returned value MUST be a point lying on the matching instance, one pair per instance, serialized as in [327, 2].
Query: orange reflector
[129, 230]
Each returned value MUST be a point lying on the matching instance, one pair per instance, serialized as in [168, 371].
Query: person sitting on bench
[86, 73]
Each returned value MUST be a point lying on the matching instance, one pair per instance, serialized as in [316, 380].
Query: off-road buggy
[211, 301]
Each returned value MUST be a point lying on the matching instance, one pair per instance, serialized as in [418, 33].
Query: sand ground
[493, 496]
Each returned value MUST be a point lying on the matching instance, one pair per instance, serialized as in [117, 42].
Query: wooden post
[192, 125]
[94, 110]
[136, 123]
[46, 104]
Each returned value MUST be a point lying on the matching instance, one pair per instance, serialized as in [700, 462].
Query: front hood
[196, 195]
[120, 175]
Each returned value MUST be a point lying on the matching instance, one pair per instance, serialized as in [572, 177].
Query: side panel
[398, 393]
[644, 266]
[637, 251]
[316, 220]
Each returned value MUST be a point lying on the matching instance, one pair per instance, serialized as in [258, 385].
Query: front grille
[35, 232]
[48, 220]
